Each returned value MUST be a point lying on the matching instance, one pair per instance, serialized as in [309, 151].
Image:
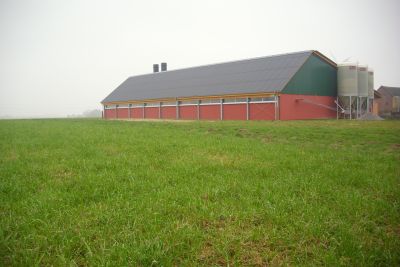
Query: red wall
[151, 112]
[123, 113]
[137, 113]
[234, 112]
[292, 108]
[188, 112]
[109, 113]
[168, 113]
[262, 111]
[209, 112]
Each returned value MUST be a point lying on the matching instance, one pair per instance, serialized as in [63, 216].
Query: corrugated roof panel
[265, 74]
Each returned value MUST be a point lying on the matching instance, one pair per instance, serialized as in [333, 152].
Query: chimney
[155, 68]
[163, 66]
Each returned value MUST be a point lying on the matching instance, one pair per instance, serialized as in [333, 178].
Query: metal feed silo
[370, 100]
[347, 80]
[370, 83]
[362, 105]
[362, 72]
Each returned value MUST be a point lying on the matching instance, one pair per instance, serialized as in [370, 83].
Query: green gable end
[315, 77]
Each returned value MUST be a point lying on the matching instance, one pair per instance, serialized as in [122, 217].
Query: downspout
[247, 108]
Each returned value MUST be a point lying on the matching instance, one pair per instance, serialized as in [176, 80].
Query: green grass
[117, 193]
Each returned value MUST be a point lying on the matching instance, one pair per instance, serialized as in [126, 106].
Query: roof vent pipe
[163, 66]
[155, 68]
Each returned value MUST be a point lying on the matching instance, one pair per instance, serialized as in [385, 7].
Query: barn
[294, 86]
[389, 101]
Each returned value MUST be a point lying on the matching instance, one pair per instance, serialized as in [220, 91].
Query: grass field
[117, 193]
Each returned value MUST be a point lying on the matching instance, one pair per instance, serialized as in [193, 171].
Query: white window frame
[122, 106]
[263, 99]
[152, 105]
[110, 106]
[170, 104]
[235, 101]
[194, 103]
[137, 105]
[218, 102]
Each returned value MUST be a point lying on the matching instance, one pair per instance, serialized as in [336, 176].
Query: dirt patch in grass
[392, 148]
[111, 150]
[254, 253]
[243, 133]
[393, 230]
[248, 253]
[210, 256]
[263, 137]
[395, 146]
[63, 174]
[207, 252]
[221, 159]
[12, 156]
[218, 224]
[267, 139]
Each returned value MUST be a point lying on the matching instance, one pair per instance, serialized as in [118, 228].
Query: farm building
[293, 86]
[389, 102]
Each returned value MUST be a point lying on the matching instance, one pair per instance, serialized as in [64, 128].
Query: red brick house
[389, 103]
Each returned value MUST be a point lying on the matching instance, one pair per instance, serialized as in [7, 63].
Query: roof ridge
[226, 62]
[391, 90]
[395, 87]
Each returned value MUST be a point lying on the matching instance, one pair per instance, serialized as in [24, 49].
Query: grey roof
[264, 74]
[393, 91]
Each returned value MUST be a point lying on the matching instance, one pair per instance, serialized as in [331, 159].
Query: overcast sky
[61, 57]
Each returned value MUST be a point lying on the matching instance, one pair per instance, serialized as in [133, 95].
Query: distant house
[375, 107]
[389, 103]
